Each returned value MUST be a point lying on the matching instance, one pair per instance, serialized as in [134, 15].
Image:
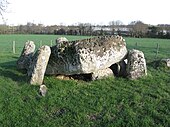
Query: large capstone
[26, 55]
[136, 65]
[39, 64]
[86, 56]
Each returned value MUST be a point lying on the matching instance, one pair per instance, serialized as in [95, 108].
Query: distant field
[110, 102]
[6, 41]
[148, 46]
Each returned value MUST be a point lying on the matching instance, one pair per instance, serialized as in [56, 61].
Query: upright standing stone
[136, 66]
[39, 64]
[26, 55]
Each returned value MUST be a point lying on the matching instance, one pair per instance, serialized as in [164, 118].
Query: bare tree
[112, 26]
[115, 25]
[3, 7]
[118, 23]
[139, 29]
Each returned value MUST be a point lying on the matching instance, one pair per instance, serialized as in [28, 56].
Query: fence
[15, 47]
[153, 49]
[156, 48]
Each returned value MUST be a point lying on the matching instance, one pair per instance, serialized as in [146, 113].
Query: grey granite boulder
[136, 64]
[100, 74]
[26, 55]
[38, 65]
[86, 56]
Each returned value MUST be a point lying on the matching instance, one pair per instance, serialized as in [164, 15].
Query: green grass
[7, 40]
[149, 47]
[104, 103]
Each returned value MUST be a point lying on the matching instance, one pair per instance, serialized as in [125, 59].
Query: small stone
[43, 90]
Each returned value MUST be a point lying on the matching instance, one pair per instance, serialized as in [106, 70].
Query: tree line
[134, 29]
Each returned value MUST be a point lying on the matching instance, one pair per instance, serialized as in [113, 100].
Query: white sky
[50, 12]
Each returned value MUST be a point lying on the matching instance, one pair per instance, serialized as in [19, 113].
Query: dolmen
[98, 57]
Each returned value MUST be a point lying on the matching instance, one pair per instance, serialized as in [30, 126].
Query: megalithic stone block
[136, 65]
[39, 64]
[86, 56]
[26, 55]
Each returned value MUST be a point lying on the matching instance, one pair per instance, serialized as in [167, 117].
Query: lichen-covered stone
[86, 56]
[26, 55]
[100, 74]
[136, 65]
[60, 40]
[39, 64]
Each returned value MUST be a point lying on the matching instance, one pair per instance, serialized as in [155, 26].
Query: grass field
[110, 102]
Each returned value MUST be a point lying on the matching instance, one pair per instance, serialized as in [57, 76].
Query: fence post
[13, 47]
[136, 45]
[157, 50]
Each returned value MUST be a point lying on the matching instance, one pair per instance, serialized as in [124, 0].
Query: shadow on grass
[9, 70]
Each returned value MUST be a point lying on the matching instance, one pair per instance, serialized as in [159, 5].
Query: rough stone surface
[136, 66]
[38, 65]
[26, 55]
[166, 61]
[86, 56]
[61, 40]
[102, 74]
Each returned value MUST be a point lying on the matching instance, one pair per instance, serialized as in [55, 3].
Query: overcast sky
[50, 12]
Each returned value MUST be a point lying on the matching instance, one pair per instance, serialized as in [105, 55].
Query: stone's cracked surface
[38, 65]
[26, 55]
[86, 56]
[100, 74]
[136, 65]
